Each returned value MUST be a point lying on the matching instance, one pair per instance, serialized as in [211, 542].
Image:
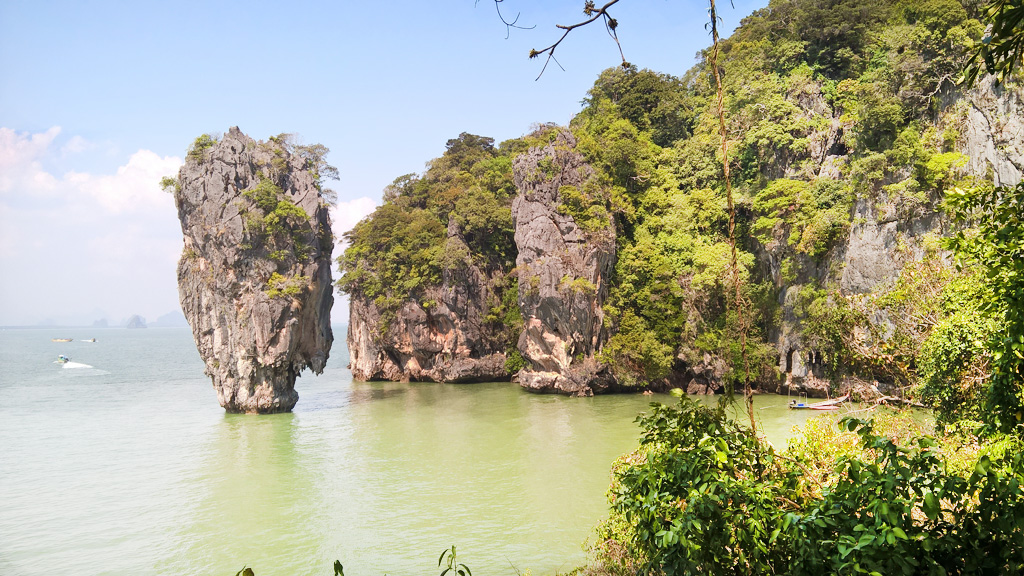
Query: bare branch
[594, 13]
[508, 25]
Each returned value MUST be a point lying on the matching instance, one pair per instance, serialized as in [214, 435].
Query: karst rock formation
[254, 278]
[563, 274]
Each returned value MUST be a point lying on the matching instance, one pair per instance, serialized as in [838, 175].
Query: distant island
[136, 322]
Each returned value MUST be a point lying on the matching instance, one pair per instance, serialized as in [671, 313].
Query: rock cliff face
[563, 273]
[448, 341]
[254, 277]
[884, 237]
[992, 130]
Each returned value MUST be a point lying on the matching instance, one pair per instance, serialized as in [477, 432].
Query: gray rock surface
[992, 133]
[446, 342]
[255, 334]
[882, 238]
[563, 274]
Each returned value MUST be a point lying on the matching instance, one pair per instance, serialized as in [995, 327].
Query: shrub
[170, 184]
[703, 495]
[279, 285]
[197, 151]
[276, 220]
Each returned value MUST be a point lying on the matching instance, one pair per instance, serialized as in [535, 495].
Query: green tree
[996, 245]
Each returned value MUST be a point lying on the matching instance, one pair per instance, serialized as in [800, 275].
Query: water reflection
[512, 478]
[253, 501]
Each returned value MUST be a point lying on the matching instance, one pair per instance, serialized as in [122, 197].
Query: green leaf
[983, 466]
[899, 532]
[931, 506]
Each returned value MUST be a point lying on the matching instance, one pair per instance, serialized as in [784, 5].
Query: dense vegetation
[833, 110]
[823, 115]
[456, 214]
[703, 496]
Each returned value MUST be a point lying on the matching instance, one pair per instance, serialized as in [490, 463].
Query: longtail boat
[823, 405]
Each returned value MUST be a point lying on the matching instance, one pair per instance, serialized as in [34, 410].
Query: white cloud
[134, 187]
[76, 145]
[347, 214]
[24, 148]
[20, 156]
[106, 238]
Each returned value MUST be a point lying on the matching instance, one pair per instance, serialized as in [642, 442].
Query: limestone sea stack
[254, 276]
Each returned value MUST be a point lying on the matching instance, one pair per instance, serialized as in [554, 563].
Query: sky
[100, 99]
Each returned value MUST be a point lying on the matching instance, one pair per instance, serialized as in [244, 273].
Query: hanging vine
[748, 397]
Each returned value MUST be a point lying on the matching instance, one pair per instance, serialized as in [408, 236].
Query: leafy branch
[1001, 51]
[453, 565]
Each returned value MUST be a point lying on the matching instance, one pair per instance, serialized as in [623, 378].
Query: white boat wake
[68, 365]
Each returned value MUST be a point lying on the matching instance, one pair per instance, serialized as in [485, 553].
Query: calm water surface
[130, 466]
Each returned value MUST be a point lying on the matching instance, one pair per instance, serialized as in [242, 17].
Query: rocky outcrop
[254, 278]
[443, 336]
[992, 130]
[563, 273]
[883, 237]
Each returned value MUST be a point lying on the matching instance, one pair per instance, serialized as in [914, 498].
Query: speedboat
[62, 359]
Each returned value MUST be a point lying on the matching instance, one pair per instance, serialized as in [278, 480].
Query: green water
[131, 467]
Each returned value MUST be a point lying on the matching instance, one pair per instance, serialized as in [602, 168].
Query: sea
[122, 462]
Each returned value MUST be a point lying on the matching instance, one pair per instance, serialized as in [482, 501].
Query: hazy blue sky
[99, 99]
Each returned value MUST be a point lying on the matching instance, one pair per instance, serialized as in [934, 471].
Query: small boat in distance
[823, 405]
[62, 359]
[60, 339]
[89, 340]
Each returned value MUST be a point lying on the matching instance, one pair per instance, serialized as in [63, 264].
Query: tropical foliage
[704, 496]
[456, 214]
[996, 246]
[832, 114]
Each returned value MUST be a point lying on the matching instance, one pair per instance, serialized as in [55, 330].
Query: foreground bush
[702, 496]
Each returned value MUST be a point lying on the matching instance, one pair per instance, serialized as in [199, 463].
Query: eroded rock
[447, 341]
[254, 278]
[563, 273]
